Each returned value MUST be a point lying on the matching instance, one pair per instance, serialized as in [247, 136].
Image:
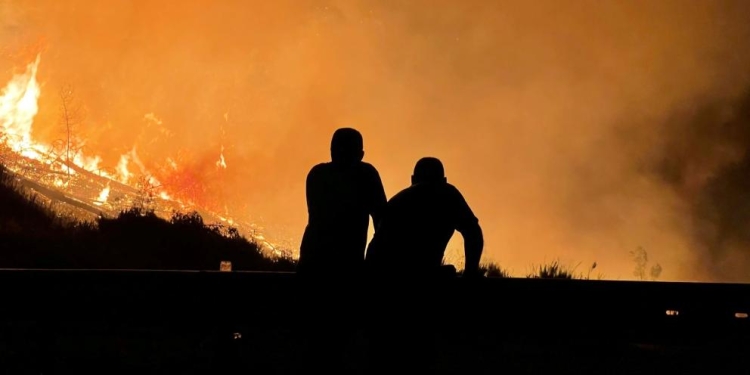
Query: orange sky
[544, 113]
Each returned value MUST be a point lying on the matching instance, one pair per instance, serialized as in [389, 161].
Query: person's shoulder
[405, 191]
[451, 188]
[453, 192]
[368, 172]
[318, 169]
[368, 168]
[408, 193]
[459, 202]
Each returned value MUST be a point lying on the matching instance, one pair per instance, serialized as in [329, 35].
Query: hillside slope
[33, 235]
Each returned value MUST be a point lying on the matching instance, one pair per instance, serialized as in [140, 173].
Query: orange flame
[18, 106]
[180, 183]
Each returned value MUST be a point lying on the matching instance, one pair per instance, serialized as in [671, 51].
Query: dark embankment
[56, 317]
[209, 322]
[32, 235]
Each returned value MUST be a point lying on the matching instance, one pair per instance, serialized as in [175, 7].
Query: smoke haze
[575, 129]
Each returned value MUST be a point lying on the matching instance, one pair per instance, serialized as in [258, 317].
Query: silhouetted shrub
[493, 270]
[553, 270]
[188, 220]
[32, 236]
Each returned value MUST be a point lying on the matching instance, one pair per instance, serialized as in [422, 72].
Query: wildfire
[18, 106]
[123, 174]
[103, 195]
[48, 169]
[221, 163]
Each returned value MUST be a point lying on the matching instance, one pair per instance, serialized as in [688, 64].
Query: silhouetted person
[410, 241]
[341, 197]
[419, 221]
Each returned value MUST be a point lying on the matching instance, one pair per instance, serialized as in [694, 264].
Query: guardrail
[126, 294]
[40, 307]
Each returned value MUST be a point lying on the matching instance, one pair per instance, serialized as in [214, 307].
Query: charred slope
[32, 235]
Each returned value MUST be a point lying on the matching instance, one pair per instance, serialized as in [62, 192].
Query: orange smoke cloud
[546, 114]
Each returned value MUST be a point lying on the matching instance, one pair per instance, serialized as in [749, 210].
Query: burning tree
[147, 192]
[71, 115]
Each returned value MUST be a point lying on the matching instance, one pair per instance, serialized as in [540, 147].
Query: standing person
[342, 195]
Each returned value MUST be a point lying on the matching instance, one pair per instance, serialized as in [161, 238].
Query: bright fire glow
[123, 174]
[103, 196]
[637, 137]
[221, 163]
[18, 108]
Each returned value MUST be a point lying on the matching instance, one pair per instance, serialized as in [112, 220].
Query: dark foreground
[212, 322]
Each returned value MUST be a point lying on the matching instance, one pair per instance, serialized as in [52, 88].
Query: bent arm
[468, 225]
[473, 247]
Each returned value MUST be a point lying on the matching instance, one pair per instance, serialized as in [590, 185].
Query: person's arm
[305, 245]
[473, 246]
[379, 198]
[313, 193]
[468, 225]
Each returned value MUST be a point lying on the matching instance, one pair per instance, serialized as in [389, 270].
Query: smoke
[707, 164]
[575, 129]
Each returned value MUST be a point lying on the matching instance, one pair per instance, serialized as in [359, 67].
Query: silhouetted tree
[71, 115]
[640, 257]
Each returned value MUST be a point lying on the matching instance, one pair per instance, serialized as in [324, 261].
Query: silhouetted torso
[340, 199]
[416, 227]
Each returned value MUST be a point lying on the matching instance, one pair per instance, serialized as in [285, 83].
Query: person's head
[347, 146]
[428, 169]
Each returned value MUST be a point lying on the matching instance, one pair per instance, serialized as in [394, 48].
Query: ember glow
[579, 130]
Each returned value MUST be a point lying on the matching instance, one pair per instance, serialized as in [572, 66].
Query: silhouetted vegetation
[640, 257]
[493, 270]
[32, 235]
[556, 270]
[553, 270]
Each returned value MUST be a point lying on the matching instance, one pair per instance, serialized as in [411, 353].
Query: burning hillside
[67, 174]
[573, 131]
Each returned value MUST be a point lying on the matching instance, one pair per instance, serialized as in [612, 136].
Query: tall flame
[123, 174]
[18, 106]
